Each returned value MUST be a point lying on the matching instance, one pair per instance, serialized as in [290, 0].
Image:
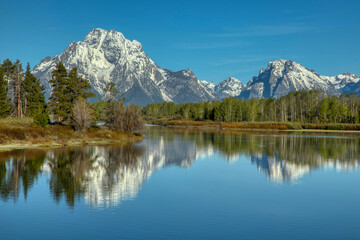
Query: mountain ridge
[284, 76]
[105, 56]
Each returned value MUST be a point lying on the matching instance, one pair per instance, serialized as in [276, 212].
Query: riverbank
[24, 134]
[259, 126]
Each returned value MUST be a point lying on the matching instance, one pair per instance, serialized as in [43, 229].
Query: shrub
[125, 119]
[293, 126]
[132, 120]
[41, 119]
[81, 115]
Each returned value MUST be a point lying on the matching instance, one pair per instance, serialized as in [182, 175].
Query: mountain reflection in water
[106, 175]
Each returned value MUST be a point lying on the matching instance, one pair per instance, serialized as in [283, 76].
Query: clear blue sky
[216, 39]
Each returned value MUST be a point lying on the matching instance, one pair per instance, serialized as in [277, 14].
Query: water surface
[186, 184]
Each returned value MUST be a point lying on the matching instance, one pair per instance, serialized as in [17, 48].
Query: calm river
[186, 184]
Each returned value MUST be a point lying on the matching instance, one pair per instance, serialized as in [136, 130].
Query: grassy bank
[268, 126]
[22, 133]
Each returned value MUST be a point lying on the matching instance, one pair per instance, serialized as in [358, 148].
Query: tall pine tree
[4, 103]
[57, 99]
[14, 75]
[9, 69]
[16, 83]
[34, 100]
[76, 87]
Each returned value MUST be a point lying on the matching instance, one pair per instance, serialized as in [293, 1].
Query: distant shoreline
[259, 126]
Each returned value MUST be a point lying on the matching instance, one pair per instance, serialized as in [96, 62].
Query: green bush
[293, 126]
[41, 119]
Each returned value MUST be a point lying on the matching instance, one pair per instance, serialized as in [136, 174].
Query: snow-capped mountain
[345, 83]
[209, 85]
[230, 87]
[106, 56]
[284, 76]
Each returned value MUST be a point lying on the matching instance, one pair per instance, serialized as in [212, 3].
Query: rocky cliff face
[106, 56]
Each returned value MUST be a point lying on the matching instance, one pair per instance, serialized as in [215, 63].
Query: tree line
[303, 106]
[22, 95]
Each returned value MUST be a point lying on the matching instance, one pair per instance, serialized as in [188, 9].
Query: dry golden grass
[17, 121]
[22, 131]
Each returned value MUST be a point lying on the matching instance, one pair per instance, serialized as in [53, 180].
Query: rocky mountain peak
[106, 56]
[282, 77]
[230, 87]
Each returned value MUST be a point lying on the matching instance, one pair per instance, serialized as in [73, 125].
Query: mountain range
[106, 56]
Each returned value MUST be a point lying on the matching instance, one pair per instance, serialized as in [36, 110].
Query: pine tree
[14, 76]
[66, 89]
[16, 83]
[34, 100]
[57, 99]
[4, 103]
[76, 87]
[9, 68]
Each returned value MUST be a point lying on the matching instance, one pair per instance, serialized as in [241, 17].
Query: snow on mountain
[106, 56]
[284, 76]
[340, 81]
[345, 83]
[230, 87]
[209, 85]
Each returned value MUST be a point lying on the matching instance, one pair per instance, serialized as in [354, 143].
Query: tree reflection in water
[106, 175]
